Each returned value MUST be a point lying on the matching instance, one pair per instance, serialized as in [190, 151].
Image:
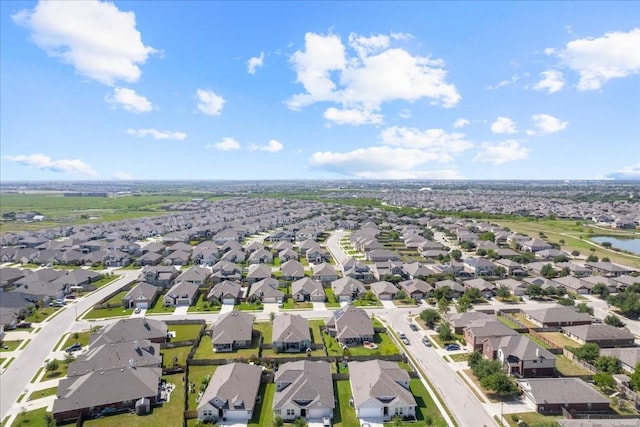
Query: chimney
[537, 352]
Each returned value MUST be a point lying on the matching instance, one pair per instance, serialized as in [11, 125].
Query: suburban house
[511, 267]
[231, 394]
[607, 268]
[196, 274]
[181, 294]
[287, 254]
[477, 331]
[384, 290]
[573, 284]
[380, 255]
[455, 288]
[304, 389]
[142, 295]
[226, 270]
[231, 331]
[380, 390]
[260, 256]
[552, 395]
[257, 272]
[266, 290]
[350, 326]
[576, 270]
[516, 287]
[557, 316]
[415, 288]
[292, 270]
[478, 266]
[357, 269]
[324, 272]
[307, 289]
[601, 334]
[161, 276]
[534, 245]
[291, 333]
[520, 356]
[416, 270]
[347, 289]
[102, 356]
[225, 292]
[629, 356]
[458, 321]
[130, 330]
[485, 288]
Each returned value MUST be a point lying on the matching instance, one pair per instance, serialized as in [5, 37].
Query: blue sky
[312, 90]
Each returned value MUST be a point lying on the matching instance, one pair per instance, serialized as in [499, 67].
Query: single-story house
[266, 290]
[142, 295]
[231, 331]
[180, 294]
[347, 289]
[384, 290]
[257, 272]
[629, 356]
[324, 272]
[551, 395]
[225, 292]
[601, 334]
[291, 333]
[557, 316]
[516, 287]
[304, 389]
[415, 288]
[292, 270]
[458, 321]
[350, 326]
[307, 289]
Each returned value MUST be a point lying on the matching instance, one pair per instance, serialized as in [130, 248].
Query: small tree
[500, 383]
[443, 305]
[278, 421]
[575, 253]
[474, 359]
[397, 421]
[464, 304]
[456, 254]
[444, 332]
[300, 422]
[608, 364]
[400, 295]
[566, 301]
[52, 365]
[473, 294]
[588, 352]
[600, 289]
[430, 317]
[503, 292]
[584, 308]
[548, 271]
[592, 258]
[634, 378]
[604, 380]
[614, 320]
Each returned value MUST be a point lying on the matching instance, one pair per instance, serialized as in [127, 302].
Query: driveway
[181, 310]
[371, 422]
[271, 307]
[387, 303]
[319, 306]
[141, 314]
[226, 308]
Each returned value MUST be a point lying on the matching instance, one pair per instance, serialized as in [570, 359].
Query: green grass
[426, 410]
[159, 308]
[205, 350]
[41, 314]
[249, 306]
[12, 345]
[104, 281]
[366, 303]
[263, 411]
[180, 352]
[386, 346]
[35, 418]
[567, 368]
[316, 335]
[344, 415]
[507, 322]
[332, 301]
[196, 374]
[460, 357]
[560, 339]
[58, 373]
[35, 377]
[39, 394]
[290, 304]
[77, 337]
[117, 298]
[202, 305]
[185, 332]
[168, 415]
[99, 313]
[266, 328]
[530, 418]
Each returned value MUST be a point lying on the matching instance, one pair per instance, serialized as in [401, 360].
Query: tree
[430, 317]
[487, 235]
[533, 290]
[604, 380]
[400, 295]
[592, 258]
[278, 421]
[456, 254]
[584, 308]
[49, 420]
[300, 422]
[561, 258]
[614, 320]
[566, 301]
[473, 294]
[486, 367]
[442, 292]
[500, 383]
[588, 352]
[600, 289]
[464, 304]
[468, 246]
[503, 292]
[443, 305]
[548, 271]
[575, 253]
[605, 259]
[606, 244]
[634, 378]
[608, 364]
[474, 359]
[444, 332]
[52, 365]
[628, 302]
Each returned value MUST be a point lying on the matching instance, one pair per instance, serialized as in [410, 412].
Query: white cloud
[352, 116]
[503, 125]
[157, 134]
[122, 176]
[460, 123]
[96, 38]
[552, 81]
[129, 100]
[548, 124]
[436, 141]
[226, 144]
[366, 74]
[626, 173]
[598, 60]
[254, 63]
[272, 146]
[209, 102]
[501, 152]
[43, 162]
[404, 113]
[505, 82]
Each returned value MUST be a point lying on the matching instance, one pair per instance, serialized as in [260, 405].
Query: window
[291, 412]
[399, 411]
[277, 411]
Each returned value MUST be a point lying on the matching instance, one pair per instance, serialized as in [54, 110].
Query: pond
[631, 245]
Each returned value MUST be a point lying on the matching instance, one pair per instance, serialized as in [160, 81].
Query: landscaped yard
[290, 304]
[530, 418]
[77, 337]
[263, 411]
[170, 414]
[41, 314]
[508, 322]
[203, 305]
[105, 280]
[205, 350]
[99, 313]
[159, 308]
[331, 302]
[180, 353]
[60, 371]
[427, 412]
[366, 303]
[567, 368]
[185, 332]
[407, 302]
[384, 342]
[11, 345]
[249, 306]
[35, 418]
[196, 375]
[459, 357]
[560, 339]
[344, 415]
[39, 394]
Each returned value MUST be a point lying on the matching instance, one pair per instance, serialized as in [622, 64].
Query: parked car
[137, 310]
[75, 347]
[595, 320]
[401, 335]
[426, 341]
[452, 347]
[413, 327]
[23, 325]
[326, 422]
[70, 297]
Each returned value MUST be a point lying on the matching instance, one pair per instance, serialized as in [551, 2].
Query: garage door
[369, 413]
[229, 301]
[143, 305]
[237, 415]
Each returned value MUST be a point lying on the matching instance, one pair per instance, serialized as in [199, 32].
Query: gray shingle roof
[290, 328]
[233, 386]
[304, 383]
[232, 326]
[561, 391]
[378, 379]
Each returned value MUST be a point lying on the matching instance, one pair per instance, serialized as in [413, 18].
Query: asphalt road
[17, 377]
[333, 246]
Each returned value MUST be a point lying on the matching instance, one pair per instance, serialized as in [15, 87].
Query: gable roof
[129, 330]
[307, 286]
[350, 322]
[521, 347]
[233, 386]
[305, 384]
[290, 328]
[226, 288]
[558, 314]
[379, 380]
[232, 326]
[561, 391]
[347, 286]
[599, 332]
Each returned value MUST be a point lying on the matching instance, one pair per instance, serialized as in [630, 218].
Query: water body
[631, 245]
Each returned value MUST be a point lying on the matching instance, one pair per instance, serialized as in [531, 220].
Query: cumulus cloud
[254, 63]
[122, 176]
[96, 38]
[366, 73]
[503, 125]
[209, 102]
[44, 162]
[129, 100]
[626, 173]
[272, 146]
[352, 116]
[157, 134]
[437, 141]
[598, 60]
[460, 123]
[225, 144]
[552, 81]
[547, 123]
[502, 152]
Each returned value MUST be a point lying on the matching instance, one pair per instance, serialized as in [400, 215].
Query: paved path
[226, 308]
[319, 306]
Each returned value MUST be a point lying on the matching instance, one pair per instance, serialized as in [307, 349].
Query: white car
[326, 422]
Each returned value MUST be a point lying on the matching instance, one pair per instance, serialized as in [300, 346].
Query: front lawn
[291, 304]
[263, 410]
[39, 394]
[249, 306]
[344, 415]
[77, 337]
[202, 305]
[159, 308]
[384, 342]
[185, 332]
[10, 345]
[530, 418]
[99, 313]
[169, 414]
[105, 280]
[60, 371]
[331, 302]
[35, 418]
[41, 314]
[117, 298]
[459, 357]
[427, 412]
[366, 303]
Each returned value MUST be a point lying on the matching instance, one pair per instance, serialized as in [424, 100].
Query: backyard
[385, 344]
[263, 412]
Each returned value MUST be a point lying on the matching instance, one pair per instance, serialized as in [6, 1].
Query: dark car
[23, 325]
[413, 327]
[75, 347]
[452, 347]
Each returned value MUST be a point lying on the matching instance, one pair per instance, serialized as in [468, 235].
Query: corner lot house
[350, 326]
[304, 389]
[232, 330]
[380, 390]
[550, 395]
[291, 333]
[231, 394]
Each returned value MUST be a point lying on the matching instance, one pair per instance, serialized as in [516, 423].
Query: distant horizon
[344, 91]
